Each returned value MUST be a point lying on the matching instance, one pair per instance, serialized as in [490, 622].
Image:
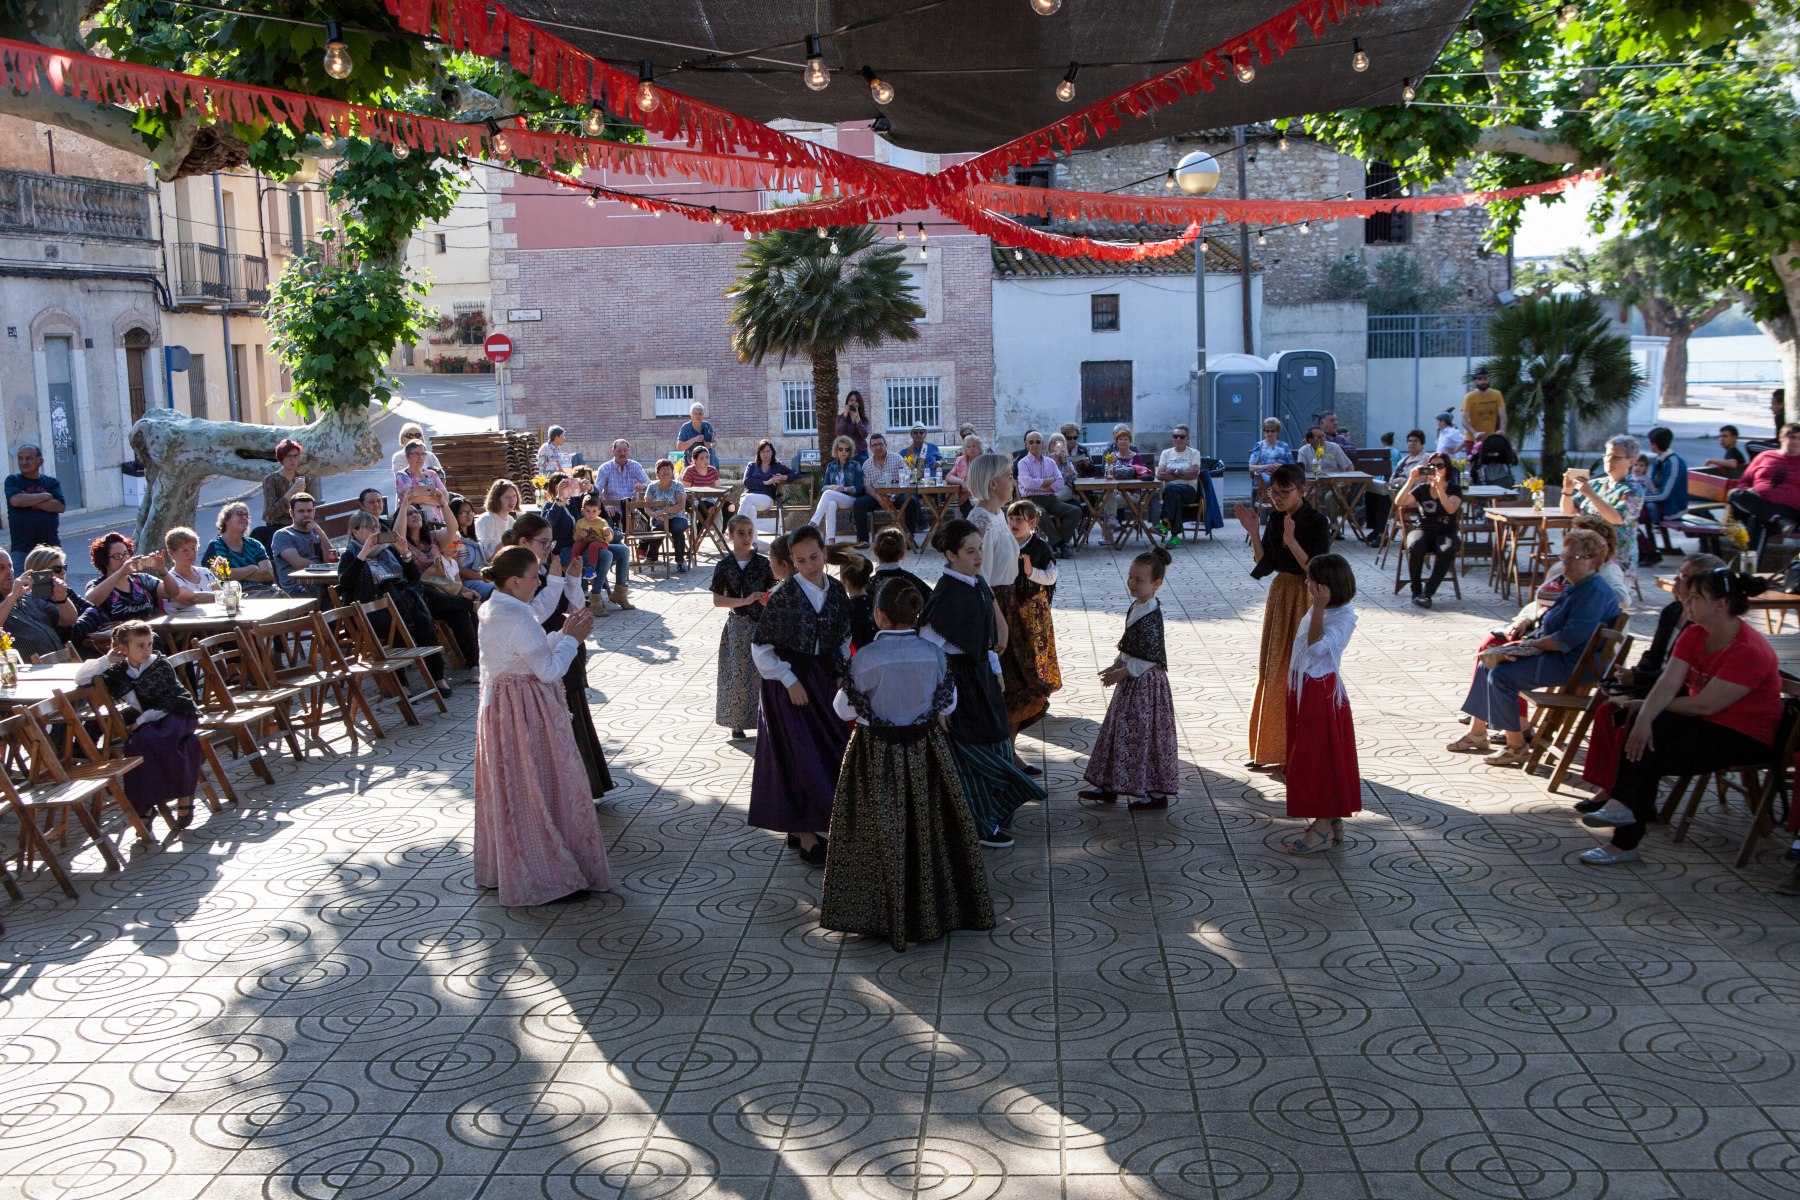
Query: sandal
[1337, 832]
[1299, 846]
[184, 813]
[1509, 757]
[1468, 744]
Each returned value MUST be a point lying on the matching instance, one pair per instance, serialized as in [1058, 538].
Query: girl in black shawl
[558, 594]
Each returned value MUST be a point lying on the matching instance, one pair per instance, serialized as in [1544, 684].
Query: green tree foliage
[802, 294]
[1557, 359]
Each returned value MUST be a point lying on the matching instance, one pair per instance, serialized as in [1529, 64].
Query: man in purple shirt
[619, 479]
[1329, 423]
[1039, 479]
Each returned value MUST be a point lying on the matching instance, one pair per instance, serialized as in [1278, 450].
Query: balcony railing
[1429, 335]
[209, 275]
[86, 208]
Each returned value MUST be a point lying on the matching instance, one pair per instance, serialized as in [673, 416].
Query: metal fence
[209, 274]
[1430, 335]
[1734, 371]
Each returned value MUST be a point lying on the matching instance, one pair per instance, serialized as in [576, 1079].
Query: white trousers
[825, 515]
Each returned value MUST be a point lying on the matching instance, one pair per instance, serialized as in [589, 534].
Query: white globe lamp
[1197, 174]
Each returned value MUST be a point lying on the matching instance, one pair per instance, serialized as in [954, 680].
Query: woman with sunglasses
[1716, 705]
[1618, 497]
[1434, 491]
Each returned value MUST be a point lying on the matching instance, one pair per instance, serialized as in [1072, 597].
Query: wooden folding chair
[1399, 544]
[447, 642]
[314, 664]
[95, 708]
[388, 658]
[228, 717]
[249, 681]
[1558, 706]
[64, 653]
[1760, 783]
[65, 750]
[21, 740]
[1615, 648]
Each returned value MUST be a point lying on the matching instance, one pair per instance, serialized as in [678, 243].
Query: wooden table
[1770, 603]
[937, 499]
[1516, 527]
[40, 683]
[708, 520]
[1347, 487]
[324, 575]
[210, 618]
[1135, 493]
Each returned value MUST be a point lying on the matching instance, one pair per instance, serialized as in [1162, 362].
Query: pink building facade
[635, 323]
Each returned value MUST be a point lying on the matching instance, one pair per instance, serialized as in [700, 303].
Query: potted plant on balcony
[473, 328]
[443, 331]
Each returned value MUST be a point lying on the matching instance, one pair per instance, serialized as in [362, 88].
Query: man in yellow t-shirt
[1483, 410]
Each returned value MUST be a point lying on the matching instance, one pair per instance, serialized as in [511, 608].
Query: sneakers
[997, 840]
[1160, 529]
[1608, 817]
[1174, 540]
[1600, 856]
[589, 575]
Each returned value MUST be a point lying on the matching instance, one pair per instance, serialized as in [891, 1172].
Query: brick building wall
[1295, 263]
[618, 320]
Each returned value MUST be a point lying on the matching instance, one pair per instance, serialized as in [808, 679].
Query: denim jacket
[848, 475]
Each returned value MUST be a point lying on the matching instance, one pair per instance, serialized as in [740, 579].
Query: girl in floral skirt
[1136, 752]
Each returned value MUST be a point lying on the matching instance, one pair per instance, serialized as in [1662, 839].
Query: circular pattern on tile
[1461, 1056]
[1049, 1013]
[247, 942]
[1338, 895]
[514, 972]
[1220, 1168]
[613, 1013]
[932, 1168]
[100, 1169]
[1089, 1115]
[1158, 900]
[1744, 990]
[926, 975]
[1235, 871]
[1615, 1108]
[101, 977]
[1035, 874]
[927, 1061]
[1691, 925]
[368, 1015]
[203, 1062]
[1294, 1010]
[734, 975]
[22, 1053]
[220, 904]
[812, 1116]
[1465, 929]
[1439, 868]
[149, 1017]
[1708, 1053]
[686, 1060]
[384, 908]
[658, 935]
[1555, 894]
[1611, 963]
[1046, 936]
[1391, 968]
[655, 1168]
[58, 944]
[1257, 933]
[1495, 838]
[442, 1063]
[304, 977]
[1362, 1111]
[821, 1015]
[308, 879]
[1182, 970]
[759, 906]
[1471, 1166]
[678, 879]
[275, 1115]
[391, 1168]
[50, 1111]
[1174, 1061]
[1765, 1162]
[529, 1115]
[1543, 1007]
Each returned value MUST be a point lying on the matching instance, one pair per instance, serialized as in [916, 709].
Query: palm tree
[816, 292]
[1559, 358]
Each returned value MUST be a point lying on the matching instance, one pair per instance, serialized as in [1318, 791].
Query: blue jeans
[480, 587]
[1494, 695]
[621, 559]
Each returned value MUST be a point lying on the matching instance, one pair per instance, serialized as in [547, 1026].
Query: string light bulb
[1262, 239]
[922, 237]
[1475, 38]
[1018, 255]
[593, 198]
[880, 90]
[1246, 70]
[1306, 227]
[1169, 180]
[338, 64]
[400, 149]
[821, 231]
[1065, 91]
[1566, 16]
[716, 218]
[1045, 8]
[816, 76]
[1359, 60]
[900, 232]
[1407, 91]
[647, 99]
[834, 246]
[497, 139]
[1281, 143]
[594, 124]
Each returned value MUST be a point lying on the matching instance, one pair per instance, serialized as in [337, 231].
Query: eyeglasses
[1567, 557]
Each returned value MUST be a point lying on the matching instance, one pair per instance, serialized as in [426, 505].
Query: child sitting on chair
[163, 718]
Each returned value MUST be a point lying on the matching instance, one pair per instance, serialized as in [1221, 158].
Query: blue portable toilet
[1305, 386]
[1238, 391]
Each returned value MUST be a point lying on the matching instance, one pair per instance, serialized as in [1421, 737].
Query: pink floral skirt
[536, 836]
[1136, 752]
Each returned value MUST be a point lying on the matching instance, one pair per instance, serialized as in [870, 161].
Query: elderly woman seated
[1545, 657]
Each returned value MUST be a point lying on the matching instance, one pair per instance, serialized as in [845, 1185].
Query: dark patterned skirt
[735, 705]
[799, 749]
[581, 720]
[1029, 672]
[170, 748]
[903, 861]
[1136, 753]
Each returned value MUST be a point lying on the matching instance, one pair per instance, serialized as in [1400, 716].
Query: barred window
[673, 399]
[797, 406]
[910, 399]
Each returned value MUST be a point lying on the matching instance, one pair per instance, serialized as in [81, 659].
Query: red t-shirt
[1749, 661]
[1775, 477]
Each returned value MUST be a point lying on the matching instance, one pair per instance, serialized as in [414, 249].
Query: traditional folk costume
[552, 606]
[904, 862]
[803, 637]
[959, 618]
[1029, 671]
[1323, 779]
[735, 705]
[164, 725]
[536, 837]
[862, 619]
[1136, 753]
[1285, 608]
[887, 572]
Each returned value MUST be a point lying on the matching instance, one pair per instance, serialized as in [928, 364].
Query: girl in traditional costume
[904, 861]
[1029, 671]
[741, 582]
[163, 718]
[1324, 782]
[962, 618]
[1136, 753]
[799, 647]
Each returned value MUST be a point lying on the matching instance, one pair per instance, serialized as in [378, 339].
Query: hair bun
[1162, 555]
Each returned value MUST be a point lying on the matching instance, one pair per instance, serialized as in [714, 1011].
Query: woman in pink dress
[536, 837]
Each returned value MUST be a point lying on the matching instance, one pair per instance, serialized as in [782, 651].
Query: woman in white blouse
[502, 507]
[536, 836]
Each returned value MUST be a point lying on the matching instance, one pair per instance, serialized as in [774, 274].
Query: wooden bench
[334, 518]
[1703, 519]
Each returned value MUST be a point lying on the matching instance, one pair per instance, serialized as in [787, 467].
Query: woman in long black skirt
[559, 594]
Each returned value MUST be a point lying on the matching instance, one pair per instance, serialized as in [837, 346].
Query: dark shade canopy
[937, 110]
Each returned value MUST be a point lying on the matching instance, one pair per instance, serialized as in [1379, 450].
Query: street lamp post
[1197, 174]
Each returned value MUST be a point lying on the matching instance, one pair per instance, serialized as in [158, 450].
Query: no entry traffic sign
[498, 347]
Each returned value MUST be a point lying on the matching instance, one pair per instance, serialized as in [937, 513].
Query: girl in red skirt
[1323, 781]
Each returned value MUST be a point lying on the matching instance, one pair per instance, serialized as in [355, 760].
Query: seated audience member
[1730, 462]
[763, 481]
[1544, 660]
[247, 557]
[665, 503]
[1128, 464]
[302, 544]
[959, 468]
[885, 469]
[841, 486]
[1615, 496]
[1378, 505]
[368, 569]
[279, 488]
[470, 557]
[374, 502]
[1078, 455]
[1434, 491]
[1328, 425]
[1665, 495]
[1180, 468]
[410, 433]
[39, 627]
[1716, 705]
[182, 545]
[1040, 479]
[162, 716]
[921, 455]
[1068, 469]
[130, 586]
[1268, 453]
[557, 509]
[699, 471]
[419, 484]
[620, 478]
[447, 597]
[1321, 456]
[499, 511]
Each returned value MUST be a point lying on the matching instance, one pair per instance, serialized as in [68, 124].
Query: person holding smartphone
[1618, 498]
[36, 623]
[376, 563]
[129, 587]
[1435, 491]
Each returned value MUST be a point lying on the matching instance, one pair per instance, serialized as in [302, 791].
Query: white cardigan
[490, 527]
[513, 642]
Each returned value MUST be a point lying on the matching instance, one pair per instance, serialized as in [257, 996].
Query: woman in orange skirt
[1324, 782]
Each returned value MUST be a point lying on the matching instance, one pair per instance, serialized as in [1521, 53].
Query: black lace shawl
[940, 700]
[962, 615]
[1144, 639]
[799, 634]
[735, 583]
[157, 686]
[1038, 550]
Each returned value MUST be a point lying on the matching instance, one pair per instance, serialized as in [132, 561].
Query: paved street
[309, 997]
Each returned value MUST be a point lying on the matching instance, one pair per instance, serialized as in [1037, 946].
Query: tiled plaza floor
[308, 997]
